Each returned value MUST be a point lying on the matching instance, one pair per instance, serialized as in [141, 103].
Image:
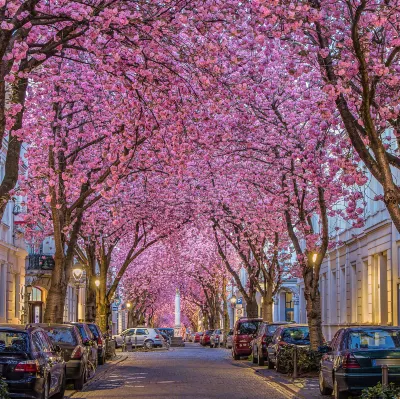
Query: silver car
[217, 338]
[229, 339]
[140, 336]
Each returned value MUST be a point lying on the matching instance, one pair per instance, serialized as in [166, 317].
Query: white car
[140, 336]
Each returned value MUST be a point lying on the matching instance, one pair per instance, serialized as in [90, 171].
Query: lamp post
[77, 274]
[233, 301]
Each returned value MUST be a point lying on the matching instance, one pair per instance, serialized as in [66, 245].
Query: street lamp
[97, 283]
[128, 305]
[77, 274]
[314, 257]
[233, 300]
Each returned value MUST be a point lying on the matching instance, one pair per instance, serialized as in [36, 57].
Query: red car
[243, 333]
[205, 339]
[198, 336]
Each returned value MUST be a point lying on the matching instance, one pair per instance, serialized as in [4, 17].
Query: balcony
[40, 262]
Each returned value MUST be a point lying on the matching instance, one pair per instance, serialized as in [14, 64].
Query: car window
[335, 345]
[276, 335]
[374, 339]
[334, 339]
[61, 335]
[130, 333]
[272, 328]
[94, 331]
[16, 342]
[247, 327]
[48, 347]
[141, 331]
[38, 343]
[296, 335]
[88, 332]
[83, 332]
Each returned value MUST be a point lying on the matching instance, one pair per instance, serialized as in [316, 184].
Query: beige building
[359, 280]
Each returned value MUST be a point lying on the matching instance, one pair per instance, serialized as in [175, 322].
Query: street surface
[192, 372]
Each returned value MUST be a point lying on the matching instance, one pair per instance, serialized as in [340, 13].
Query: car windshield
[374, 339]
[61, 335]
[15, 342]
[83, 332]
[209, 332]
[248, 327]
[296, 335]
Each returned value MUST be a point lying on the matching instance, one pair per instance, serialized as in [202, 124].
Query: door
[35, 314]
[141, 335]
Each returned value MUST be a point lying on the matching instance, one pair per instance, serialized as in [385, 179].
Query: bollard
[295, 362]
[385, 375]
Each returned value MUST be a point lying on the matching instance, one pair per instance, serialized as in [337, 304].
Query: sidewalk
[302, 387]
[100, 372]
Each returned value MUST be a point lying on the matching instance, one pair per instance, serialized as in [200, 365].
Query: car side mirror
[324, 349]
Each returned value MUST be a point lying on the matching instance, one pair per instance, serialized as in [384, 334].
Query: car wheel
[61, 392]
[270, 364]
[322, 387]
[336, 393]
[149, 344]
[79, 382]
[254, 357]
[260, 358]
[234, 355]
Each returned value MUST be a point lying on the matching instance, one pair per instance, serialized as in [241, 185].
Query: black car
[75, 354]
[262, 339]
[90, 343]
[353, 361]
[101, 342]
[291, 334]
[30, 364]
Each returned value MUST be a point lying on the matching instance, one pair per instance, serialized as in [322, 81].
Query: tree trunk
[103, 311]
[225, 307]
[313, 307]
[91, 296]
[267, 309]
[252, 308]
[55, 302]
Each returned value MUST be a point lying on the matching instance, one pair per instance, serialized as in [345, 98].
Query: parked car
[167, 339]
[30, 364]
[243, 333]
[197, 336]
[190, 336]
[205, 338]
[75, 354]
[262, 339]
[90, 343]
[353, 360]
[101, 342]
[216, 338]
[291, 334]
[228, 339]
[143, 336]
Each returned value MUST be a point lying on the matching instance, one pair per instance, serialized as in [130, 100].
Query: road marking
[165, 382]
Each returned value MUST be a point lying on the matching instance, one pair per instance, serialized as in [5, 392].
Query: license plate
[386, 362]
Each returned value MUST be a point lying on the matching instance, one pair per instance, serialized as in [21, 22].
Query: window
[36, 295]
[374, 339]
[37, 343]
[141, 331]
[289, 306]
[63, 335]
[11, 341]
[46, 344]
[296, 336]
[16, 295]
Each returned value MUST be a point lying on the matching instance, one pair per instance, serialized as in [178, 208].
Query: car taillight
[282, 343]
[217, 336]
[28, 366]
[99, 341]
[264, 338]
[157, 337]
[350, 362]
[77, 353]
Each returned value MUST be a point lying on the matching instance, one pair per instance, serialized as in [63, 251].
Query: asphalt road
[192, 372]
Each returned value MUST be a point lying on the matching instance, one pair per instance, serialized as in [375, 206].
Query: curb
[277, 385]
[98, 376]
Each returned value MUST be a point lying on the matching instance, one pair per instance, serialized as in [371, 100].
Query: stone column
[177, 327]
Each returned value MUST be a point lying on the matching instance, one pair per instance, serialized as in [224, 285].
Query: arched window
[36, 295]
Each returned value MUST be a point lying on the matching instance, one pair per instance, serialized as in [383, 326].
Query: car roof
[19, 327]
[362, 327]
[43, 325]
